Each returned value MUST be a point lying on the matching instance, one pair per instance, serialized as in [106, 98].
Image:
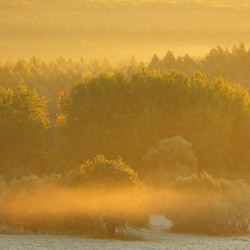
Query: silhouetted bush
[169, 159]
[94, 199]
[118, 179]
[202, 204]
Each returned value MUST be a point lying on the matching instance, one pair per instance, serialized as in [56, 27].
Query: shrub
[203, 204]
[101, 172]
[171, 158]
[118, 184]
[98, 197]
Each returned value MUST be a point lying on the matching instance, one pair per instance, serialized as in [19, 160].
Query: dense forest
[180, 125]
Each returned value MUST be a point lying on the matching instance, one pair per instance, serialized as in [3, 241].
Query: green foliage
[103, 173]
[169, 159]
[203, 204]
[113, 115]
[53, 77]
[117, 178]
[24, 121]
[230, 64]
[104, 194]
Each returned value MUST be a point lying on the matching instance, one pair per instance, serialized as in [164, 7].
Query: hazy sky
[112, 28]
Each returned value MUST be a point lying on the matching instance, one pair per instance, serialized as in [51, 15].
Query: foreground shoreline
[155, 237]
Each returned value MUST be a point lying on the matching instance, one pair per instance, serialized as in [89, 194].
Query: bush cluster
[205, 205]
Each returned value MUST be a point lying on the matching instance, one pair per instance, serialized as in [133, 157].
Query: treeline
[49, 78]
[232, 64]
[115, 115]
[52, 77]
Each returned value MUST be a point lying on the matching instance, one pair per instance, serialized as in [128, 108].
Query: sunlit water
[157, 237]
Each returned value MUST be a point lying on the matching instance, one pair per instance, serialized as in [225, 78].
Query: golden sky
[112, 28]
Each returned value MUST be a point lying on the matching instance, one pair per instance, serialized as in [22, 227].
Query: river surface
[156, 237]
